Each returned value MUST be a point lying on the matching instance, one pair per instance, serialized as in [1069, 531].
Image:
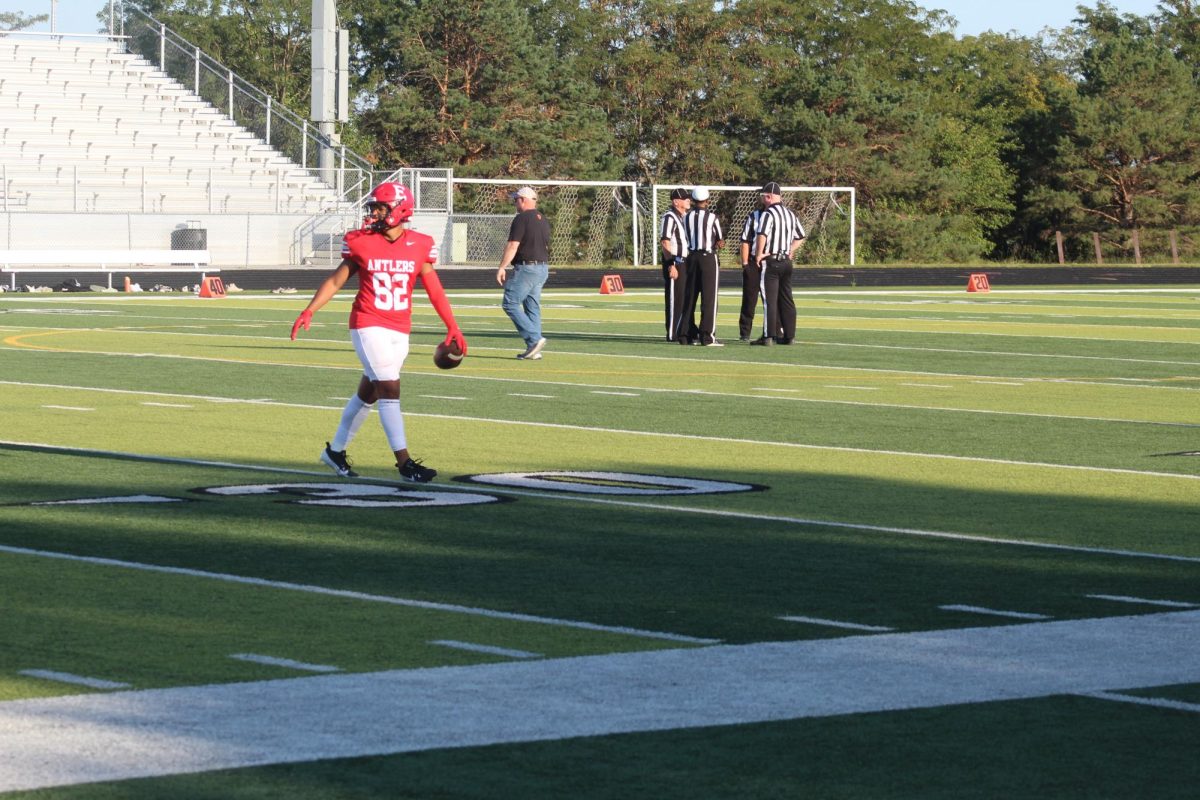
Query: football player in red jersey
[388, 257]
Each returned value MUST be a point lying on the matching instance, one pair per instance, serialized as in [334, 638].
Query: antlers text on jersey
[390, 265]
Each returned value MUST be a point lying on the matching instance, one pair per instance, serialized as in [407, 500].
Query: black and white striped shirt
[703, 230]
[674, 232]
[781, 227]
[750, 231]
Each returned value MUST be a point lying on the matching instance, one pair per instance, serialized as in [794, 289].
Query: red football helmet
[397, 199]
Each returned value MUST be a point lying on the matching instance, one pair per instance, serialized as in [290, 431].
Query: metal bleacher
[89, 127]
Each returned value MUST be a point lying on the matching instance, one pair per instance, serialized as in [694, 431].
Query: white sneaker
[534, 357]
[534, 350]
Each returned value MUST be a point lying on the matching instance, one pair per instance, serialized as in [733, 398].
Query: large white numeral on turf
[611, 483]
[354, 495]
[391, 290]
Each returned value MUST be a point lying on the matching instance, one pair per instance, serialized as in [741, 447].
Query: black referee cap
[771, 188]
[680, 194]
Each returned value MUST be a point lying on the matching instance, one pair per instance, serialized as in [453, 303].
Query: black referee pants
[702, 276]
[680, 328]
[779, 307]
[751, 294]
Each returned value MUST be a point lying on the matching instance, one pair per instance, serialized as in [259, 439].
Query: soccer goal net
[826, 212]
[591, 222]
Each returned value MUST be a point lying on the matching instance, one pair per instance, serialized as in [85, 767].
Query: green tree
[1129, 151]
[266, 42]
[931, 182]
[470, 84]
[17, 21]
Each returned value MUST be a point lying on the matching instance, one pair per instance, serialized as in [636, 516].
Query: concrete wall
[234, 240]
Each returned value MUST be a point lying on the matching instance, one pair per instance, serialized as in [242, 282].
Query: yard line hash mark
[69, 408]
[833, 623]
[994, 612]
[484, 648]
[856, 388]
[442, 397]
[74, 680]
[618, 394]
[1156, 702]
[287, 663]
[534, 396]
[166, 405]
[1117, 598]
[352, 595]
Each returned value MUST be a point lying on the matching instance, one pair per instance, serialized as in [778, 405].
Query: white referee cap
[699, 193]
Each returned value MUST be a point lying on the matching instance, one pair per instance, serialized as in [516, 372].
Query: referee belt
[703, 253]
[779, 257]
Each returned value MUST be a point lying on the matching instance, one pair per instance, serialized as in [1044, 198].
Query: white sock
[393, 424]
[353, 416]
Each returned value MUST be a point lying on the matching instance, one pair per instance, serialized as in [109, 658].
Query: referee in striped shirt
[779, 234]
[751, 273]
[674, 241]
[704, 240]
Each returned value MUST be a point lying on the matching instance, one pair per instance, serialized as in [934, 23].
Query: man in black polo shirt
[528, 251]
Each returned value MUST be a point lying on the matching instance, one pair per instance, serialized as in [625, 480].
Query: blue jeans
[523, 300]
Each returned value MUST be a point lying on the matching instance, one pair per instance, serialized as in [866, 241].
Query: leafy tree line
[960, 149]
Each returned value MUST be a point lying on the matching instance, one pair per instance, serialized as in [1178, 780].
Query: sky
[1026, 17]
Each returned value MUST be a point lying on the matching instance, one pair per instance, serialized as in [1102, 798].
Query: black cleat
[337, 461]
[764, 342]
[416, 472]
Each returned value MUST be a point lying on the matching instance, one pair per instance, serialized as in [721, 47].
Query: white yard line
[674, 509]
[64, 741]
[684, 436]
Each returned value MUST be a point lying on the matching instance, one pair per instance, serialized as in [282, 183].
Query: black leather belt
[779, 256]
[526, 263]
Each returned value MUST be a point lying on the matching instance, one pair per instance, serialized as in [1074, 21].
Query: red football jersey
[387, 275]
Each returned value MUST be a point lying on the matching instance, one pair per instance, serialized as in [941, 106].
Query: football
[447, 356]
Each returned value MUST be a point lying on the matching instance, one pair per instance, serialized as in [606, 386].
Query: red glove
[302, 321]
[456, 335]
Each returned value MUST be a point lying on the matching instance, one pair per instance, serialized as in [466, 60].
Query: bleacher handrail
[245, 104]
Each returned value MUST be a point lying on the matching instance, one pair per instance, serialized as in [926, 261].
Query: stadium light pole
[330, 80]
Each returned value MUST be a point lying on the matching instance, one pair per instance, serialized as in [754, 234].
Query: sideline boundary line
[674, 509]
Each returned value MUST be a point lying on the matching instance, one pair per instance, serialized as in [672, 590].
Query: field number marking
[610, 483]
[352, 495]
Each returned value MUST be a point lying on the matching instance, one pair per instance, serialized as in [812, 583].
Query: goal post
[828, 214]
[592, 223]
